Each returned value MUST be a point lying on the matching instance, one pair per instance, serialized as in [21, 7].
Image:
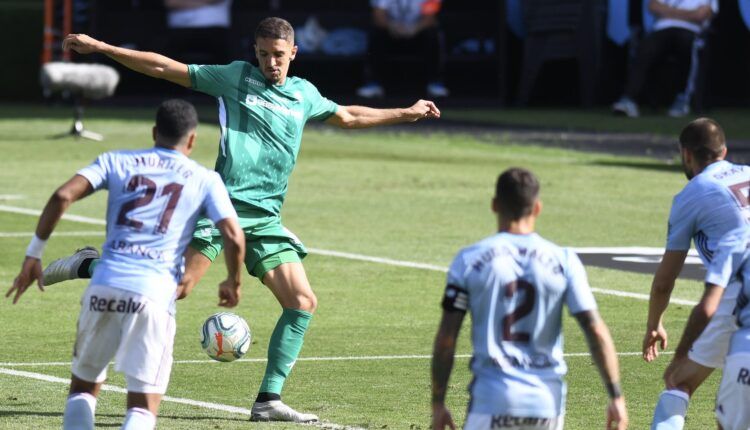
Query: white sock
[79, 412]
[670, 410]
[139, 419]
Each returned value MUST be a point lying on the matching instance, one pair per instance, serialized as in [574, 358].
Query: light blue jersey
[515, 287]
[712, 204]
[155, 197]
[730, 262]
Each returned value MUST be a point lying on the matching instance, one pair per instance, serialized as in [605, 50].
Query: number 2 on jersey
[523, 309]
[139, 181]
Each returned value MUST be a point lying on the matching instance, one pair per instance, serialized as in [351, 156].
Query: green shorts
[268, 244]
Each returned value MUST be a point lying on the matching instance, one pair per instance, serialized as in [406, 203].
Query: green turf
[734, 121]
[396, 195]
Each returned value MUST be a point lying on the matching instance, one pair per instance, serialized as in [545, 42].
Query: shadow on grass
[207, 111]
[645, 165]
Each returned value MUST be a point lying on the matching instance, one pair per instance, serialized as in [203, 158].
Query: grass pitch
[379, 193]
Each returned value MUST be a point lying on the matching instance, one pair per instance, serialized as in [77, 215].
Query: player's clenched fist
[423, 109]
[80, 43]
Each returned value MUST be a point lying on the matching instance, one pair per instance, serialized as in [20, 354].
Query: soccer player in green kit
[262, 113]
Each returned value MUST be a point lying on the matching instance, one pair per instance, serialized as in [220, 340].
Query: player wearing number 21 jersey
[127, 312]
[515, 285]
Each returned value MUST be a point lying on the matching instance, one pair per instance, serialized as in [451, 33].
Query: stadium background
[348, 200]
[494, 75]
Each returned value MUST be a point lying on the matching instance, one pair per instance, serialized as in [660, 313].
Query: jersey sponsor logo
[253, 100]
[535, 361]
[97, 304]
[255, 82]
[509, 421]
[123, 247]
[743, 377]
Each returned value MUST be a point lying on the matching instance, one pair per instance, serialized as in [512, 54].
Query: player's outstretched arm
[31, 270]
[148, 63]
[605, 357]
[363, 117]
[234, 255]
[661, 290]
[442, 364]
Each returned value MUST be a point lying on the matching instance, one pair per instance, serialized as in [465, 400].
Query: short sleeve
[456, 295]
[729, 256]
[217, 205]
[97, 173]
[681, 226]
[319, 107]
[578, 295]
[213, 79]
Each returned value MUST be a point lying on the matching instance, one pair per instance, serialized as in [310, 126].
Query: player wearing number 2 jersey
[515, 284]
[262, 113]
[714, 202]
[127, 312]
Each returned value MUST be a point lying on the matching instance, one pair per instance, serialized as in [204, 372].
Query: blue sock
[670, 411]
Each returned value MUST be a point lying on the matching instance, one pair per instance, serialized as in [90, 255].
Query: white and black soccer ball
[225, 336]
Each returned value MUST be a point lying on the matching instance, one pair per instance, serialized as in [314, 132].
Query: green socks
[283, 349]
[92, 266]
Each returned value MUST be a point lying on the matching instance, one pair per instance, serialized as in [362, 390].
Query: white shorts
[129, 327]
[476, 421]
[711, 347]
[732, 410]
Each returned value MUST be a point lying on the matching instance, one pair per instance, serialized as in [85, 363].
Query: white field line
[55, 234]
[345, 358]
[69, 217]
[415, 265]
[189, 402]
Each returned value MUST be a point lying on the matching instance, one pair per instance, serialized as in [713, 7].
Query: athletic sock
[138, 419]
[266, 397]
[670, 410]
[79, 412]
[86, 269]
[283, 348]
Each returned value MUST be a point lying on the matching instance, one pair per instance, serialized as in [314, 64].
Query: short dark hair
[516, 192]
[704, 138]
[274, 28]
[175, 118]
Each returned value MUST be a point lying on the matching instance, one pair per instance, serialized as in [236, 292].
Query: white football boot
[66, 268]
[276, 410]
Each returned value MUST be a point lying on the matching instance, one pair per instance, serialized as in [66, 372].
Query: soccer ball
[225, 336]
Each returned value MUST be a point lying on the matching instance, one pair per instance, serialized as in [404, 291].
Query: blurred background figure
[676, 32]
[404, 27]
[198, 31]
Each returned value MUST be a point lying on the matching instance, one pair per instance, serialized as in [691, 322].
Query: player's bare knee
[307, 302]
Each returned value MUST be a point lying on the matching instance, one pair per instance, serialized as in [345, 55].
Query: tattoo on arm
[602, 350]
[443, 353]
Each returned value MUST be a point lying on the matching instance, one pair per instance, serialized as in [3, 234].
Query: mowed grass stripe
[348, 358]
[189, 402]
[392, 262]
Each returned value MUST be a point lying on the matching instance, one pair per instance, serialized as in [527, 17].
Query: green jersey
[261, 129]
